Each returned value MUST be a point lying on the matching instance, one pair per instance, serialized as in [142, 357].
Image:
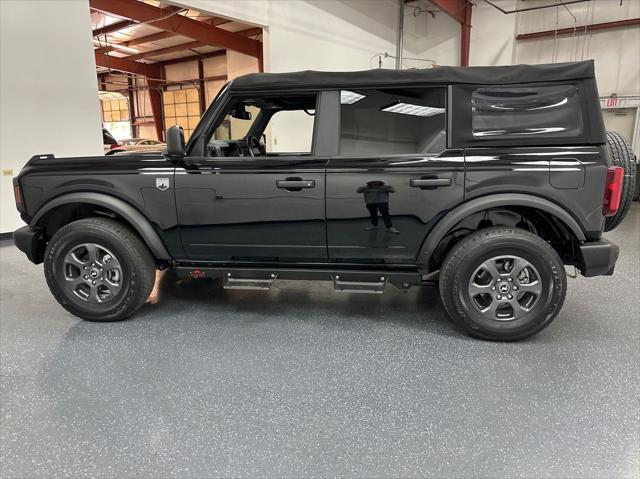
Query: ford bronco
[486, 180]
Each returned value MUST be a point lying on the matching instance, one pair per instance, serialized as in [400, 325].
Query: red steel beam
[184, 46]
[155, 97]
[454, 8]
[122, 64]
[581, 29]
[465, 36]
[148, 38]
[162, 35]
[163, 51]
[178, 24]
[114, 27]
[190, 58]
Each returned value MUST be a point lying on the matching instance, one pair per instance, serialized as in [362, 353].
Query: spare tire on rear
[621, 155]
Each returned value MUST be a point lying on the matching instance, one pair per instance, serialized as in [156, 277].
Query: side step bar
[344, 280]
[359, 286]
[229, 282]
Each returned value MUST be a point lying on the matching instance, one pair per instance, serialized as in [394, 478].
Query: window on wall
[115, 110]
[392, 121]
[182, 107]
[521, 112]
[115, 115]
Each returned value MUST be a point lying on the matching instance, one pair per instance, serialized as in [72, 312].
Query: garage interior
[299, 380]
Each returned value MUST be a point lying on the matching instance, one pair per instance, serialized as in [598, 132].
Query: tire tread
[144, 265]
[453, 260]
[622, 155]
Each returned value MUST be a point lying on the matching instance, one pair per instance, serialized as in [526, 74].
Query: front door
[257, 196]
[394, 176]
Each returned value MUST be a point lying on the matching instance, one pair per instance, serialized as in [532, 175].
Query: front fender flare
[476, 205]
[141, 224]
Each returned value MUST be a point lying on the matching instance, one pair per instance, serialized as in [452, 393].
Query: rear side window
[392, 121]
[525, 112]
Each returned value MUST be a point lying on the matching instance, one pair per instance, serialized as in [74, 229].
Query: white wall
[616, 52]
[48, 88]
[493, 34]
[427, 37]
[314, 34]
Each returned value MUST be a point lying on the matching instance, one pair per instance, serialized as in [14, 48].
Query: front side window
[392, 121]
[522, 112]
[266, 126]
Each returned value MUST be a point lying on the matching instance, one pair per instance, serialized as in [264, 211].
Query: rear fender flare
[139, 222]
[476, 205]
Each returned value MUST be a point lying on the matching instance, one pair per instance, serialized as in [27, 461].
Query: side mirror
[175, 142]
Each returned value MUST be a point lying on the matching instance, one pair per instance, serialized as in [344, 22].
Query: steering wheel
[253, 142]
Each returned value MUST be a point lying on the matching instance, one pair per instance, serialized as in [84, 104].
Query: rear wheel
[502, 284]
[98, 269]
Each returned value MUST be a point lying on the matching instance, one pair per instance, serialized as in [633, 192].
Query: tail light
[17, 193]
[613, 191]
[115, 145]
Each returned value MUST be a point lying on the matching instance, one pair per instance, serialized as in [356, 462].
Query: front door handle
[429, 183]
[295, 184]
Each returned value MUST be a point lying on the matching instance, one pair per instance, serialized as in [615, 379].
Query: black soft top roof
[499, 75]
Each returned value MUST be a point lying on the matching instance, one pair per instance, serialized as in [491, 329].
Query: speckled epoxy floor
[302, 381]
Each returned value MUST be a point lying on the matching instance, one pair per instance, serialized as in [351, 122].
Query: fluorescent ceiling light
[116, 46]
[349, 97]
[417, 110]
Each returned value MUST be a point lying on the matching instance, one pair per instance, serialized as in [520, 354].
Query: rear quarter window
[526, 112]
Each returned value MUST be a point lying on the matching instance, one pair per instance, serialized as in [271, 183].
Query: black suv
[487, 179]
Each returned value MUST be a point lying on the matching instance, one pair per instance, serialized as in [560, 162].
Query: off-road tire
[621, 155]
[137, 268]
[467, 255]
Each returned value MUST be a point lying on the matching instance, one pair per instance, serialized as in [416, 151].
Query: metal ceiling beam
[537, 7]
[162, 35]
[190, 58]
[148, 38]
[580, 29]
[122, 64]
[179, 24]
[114, 27]
[454, 8]
[185, 46]
[164, 51]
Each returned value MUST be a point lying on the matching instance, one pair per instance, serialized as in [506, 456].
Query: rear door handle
[429, 183]
[295, 185]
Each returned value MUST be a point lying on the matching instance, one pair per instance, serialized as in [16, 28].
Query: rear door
[394, 176]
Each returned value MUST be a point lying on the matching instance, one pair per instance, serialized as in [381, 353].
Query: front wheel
[98, 269]
[502, 284]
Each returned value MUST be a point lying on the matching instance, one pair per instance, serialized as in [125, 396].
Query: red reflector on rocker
[613, 191]
[197, 274]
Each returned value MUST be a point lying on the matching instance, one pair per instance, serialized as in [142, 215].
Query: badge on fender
[162, 183]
